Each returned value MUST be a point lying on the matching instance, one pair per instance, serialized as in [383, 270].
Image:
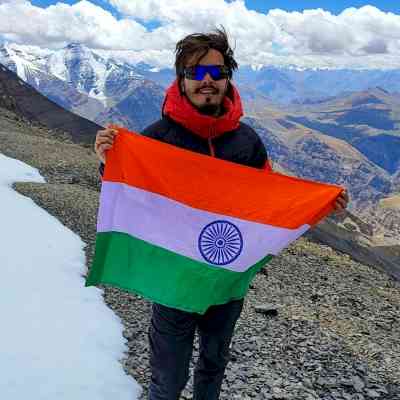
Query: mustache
[216, 90]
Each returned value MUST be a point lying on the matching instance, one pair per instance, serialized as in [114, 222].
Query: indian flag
[189, 231]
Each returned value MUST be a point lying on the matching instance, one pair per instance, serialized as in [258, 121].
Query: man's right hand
[104, 141]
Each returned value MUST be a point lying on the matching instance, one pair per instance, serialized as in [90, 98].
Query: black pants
[171, 336]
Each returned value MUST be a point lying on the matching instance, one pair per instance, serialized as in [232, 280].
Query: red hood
[178, 108]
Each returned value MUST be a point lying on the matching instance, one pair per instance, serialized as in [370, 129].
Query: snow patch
[58, 339]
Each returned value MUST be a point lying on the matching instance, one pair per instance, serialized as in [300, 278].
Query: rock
[373, 394]
[327, 382]
[316, 296]
[267, 309]
[358, 383]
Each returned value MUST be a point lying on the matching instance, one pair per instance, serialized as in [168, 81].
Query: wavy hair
[200, 44]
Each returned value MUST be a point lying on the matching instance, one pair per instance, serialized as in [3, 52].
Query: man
[201, 113]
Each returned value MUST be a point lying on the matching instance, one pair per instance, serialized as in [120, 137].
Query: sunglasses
[198, 72]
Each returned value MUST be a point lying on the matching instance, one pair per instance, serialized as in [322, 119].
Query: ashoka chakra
[220, 242]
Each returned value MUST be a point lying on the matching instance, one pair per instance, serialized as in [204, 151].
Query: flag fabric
[188, 230]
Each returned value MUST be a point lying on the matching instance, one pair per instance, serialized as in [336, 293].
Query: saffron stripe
[215, 185]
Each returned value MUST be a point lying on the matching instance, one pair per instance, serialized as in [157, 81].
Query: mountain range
[291, 85]
[101, 74]
[348, 137]
[336, 126]
[351, 139]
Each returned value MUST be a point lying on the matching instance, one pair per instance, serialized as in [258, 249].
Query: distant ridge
[28, 103]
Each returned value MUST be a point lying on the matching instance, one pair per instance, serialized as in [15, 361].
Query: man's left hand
[341, 204]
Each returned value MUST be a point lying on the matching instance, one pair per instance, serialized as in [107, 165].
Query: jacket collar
[177, 107]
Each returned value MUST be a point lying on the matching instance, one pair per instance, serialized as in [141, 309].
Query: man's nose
[208, 78]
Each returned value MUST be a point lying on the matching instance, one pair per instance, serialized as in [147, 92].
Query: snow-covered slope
[26, 61]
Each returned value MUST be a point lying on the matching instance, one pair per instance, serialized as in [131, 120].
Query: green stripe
[163, 276]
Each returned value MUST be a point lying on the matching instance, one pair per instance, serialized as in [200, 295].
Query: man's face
[207, 94]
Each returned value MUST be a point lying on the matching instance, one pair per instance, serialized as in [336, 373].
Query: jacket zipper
[210, 145]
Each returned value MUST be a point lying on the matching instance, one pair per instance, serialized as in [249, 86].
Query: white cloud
[62, 23]
[363, 37]
[12, 1]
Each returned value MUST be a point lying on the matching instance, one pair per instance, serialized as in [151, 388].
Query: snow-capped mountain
[25, 61]
[90, 73]
[97, 80]
[31, 64]
[75, 64]
[79, 79]
[106, 85]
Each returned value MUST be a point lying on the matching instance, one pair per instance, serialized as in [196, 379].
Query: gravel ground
[316, 324]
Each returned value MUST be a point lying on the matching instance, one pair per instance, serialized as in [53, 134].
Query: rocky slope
[314, 156]
[140, 107]
[352, 140]
[368, 120]
[27, 103]
[316, 324]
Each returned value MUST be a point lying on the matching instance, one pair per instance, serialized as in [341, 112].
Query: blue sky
[334, 6]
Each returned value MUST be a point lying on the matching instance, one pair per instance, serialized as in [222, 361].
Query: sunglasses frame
[198, 72]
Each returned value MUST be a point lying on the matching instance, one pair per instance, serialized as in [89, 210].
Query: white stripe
[177, 227]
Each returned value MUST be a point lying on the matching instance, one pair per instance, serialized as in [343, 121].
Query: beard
[210, 109]
[213, 109]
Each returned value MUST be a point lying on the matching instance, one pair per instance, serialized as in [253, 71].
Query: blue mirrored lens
[202, 70]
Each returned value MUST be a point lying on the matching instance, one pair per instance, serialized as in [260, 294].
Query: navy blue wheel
[220, 242]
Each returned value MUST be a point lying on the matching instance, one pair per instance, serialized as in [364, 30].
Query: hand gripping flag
[189, 231]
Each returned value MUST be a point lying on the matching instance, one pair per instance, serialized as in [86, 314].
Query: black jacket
[242, 146]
